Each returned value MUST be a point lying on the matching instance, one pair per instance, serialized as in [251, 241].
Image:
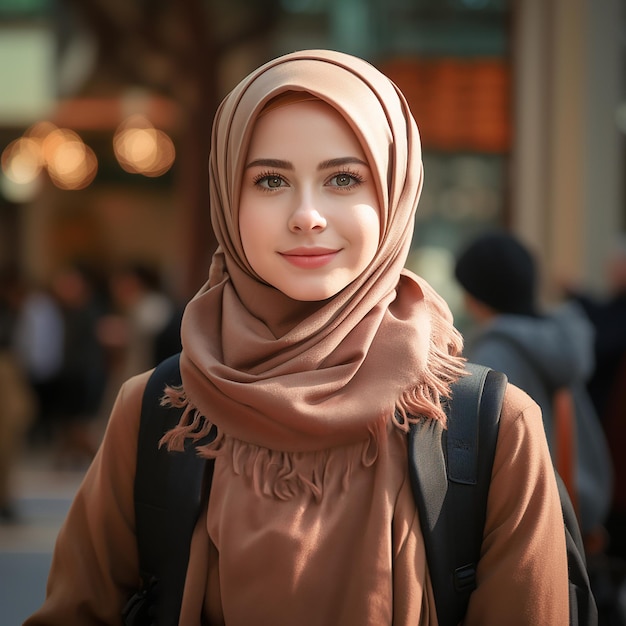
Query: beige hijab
[299, 376]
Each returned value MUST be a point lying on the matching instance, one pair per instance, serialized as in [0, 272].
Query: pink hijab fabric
[300, 376]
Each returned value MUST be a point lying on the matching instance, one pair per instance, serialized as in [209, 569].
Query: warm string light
[70, 163]
[22, 161]
[140, 148]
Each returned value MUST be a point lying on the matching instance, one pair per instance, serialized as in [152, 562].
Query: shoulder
[122, 431]
[522, 454]
[130, 395]
[520, 418]
[110, 477]
[518, 405]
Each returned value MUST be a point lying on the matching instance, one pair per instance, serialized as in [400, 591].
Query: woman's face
[309, 213]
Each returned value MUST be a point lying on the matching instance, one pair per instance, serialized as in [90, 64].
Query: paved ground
[44, 496]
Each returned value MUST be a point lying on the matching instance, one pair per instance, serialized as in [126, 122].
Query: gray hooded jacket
[540, 355]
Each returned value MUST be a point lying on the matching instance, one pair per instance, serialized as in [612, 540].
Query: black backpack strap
[168, 496]
[450, 474]
[582, 605]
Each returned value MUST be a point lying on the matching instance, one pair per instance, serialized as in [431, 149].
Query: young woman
[306, 339]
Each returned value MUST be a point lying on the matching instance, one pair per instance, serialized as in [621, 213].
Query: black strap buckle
[465, 578]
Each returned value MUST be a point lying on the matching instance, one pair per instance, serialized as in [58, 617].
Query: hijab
[294, 376]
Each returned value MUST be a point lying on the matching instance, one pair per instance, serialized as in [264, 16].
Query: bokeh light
[140, 148]
[22, 161]
[70, 163]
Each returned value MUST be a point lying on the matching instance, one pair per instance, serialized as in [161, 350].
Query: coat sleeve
[522, 574]
[95, 563]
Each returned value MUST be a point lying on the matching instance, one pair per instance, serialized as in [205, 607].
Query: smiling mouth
[309, 258]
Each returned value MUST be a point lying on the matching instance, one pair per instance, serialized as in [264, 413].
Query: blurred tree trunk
[176, 49]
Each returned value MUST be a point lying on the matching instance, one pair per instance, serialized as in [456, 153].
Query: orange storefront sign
[459, 104]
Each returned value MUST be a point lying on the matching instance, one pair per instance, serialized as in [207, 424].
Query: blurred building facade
[521, 106]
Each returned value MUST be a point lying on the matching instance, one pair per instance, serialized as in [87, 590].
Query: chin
[310, 295]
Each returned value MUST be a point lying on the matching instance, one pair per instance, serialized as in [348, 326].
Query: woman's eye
[345, 180]
[269, 182]
[273, 181]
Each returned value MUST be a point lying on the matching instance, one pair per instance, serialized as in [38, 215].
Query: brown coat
[522, 574]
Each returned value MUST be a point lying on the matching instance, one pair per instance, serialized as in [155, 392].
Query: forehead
[303, 124]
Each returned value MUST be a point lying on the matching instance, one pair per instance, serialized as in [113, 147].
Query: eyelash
[355, 176]
[265, 176]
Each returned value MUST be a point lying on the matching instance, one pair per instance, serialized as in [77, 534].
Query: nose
[306, 217]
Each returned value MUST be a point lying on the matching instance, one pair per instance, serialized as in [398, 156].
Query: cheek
[249, 216]
[258, 237]
[369, 227]
[249, 231]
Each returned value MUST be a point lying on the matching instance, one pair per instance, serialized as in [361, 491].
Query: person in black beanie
[497, 270]
[539, 352]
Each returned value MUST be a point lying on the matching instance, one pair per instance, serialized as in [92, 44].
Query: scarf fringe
[276, 474]
[285, 475]
[191, 426]
[427, 398]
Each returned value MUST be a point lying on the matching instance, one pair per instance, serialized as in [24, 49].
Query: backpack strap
[168, 495]
[450, 473]
[582, 605]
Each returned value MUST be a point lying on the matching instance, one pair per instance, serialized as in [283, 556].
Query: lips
[309, 258]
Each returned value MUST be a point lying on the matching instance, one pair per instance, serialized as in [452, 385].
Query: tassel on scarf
[445, 365]
[273, 473]
[192, 425]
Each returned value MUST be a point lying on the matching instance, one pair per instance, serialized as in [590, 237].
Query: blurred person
[540, 352]
[82, 375]
[140, 314]
[143, 312]
[17, 407]
[39, 340]
[608, 384]
[608, 316]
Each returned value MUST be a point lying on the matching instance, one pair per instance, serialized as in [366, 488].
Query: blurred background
[105, 115]
[520, 105]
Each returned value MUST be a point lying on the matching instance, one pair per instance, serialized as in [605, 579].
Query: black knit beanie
[500, 272]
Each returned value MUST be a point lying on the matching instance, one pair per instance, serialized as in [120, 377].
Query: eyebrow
[277, 163]
[288, 165]
[325, 165]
